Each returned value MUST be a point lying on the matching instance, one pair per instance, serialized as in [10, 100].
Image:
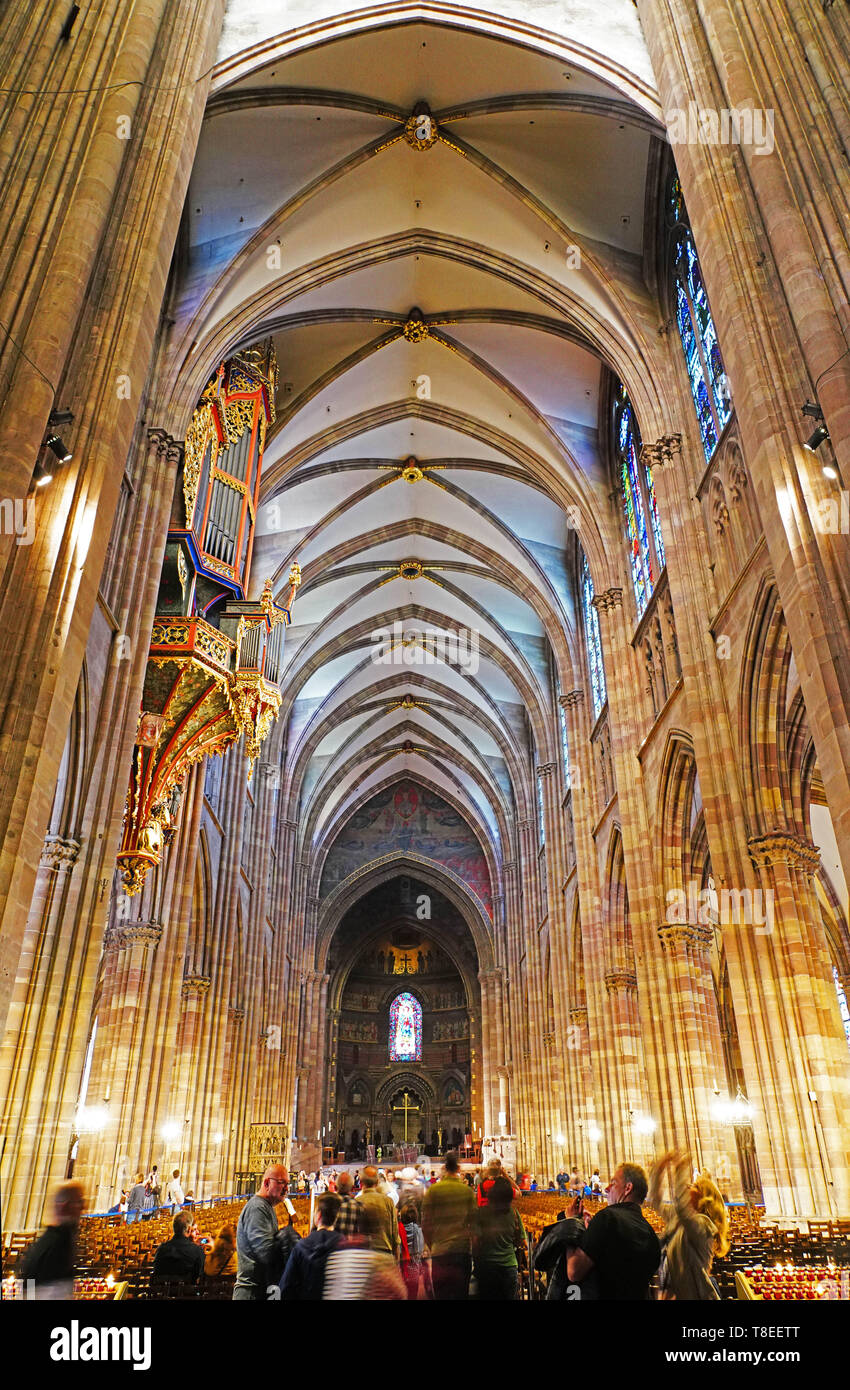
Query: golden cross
[406, 1107]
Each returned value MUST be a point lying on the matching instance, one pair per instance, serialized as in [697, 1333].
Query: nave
[424, 672]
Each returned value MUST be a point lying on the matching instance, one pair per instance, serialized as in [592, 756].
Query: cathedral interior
[425, 652]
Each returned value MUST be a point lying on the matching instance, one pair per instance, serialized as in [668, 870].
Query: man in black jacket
[50, 1259]
[179, 1257]
[553, 1249]
[304, 1276]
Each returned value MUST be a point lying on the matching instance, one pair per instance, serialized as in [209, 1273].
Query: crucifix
[405, 962]
[407, 1108]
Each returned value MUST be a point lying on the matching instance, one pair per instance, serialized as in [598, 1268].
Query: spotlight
[817, 437]
[54, 443]
[42, 476]
[820, 433]
[828, 471]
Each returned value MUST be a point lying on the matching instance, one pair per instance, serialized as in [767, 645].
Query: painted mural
[406, 817]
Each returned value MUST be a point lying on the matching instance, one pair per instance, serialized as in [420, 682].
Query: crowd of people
[462, 1236]
[378, 1236]
[148, 1194]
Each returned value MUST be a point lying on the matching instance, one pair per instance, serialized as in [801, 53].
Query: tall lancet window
[565, 744]
[405, 1029]
[594, 644]
[640, 509]
[709, 382]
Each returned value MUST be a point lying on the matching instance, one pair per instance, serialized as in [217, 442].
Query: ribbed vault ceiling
[310, 217]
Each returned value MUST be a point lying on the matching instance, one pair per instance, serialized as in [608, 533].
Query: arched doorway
[400, 1073]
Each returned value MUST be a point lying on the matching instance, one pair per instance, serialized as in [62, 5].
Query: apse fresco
[402, 818]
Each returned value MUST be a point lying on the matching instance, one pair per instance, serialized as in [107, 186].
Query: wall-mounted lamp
[62, 452]
[44, 472]
[820, 433]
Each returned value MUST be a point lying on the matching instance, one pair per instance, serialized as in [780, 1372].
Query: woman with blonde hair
[222, 1258]
[697, 1229]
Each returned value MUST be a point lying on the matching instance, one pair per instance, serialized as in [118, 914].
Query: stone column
[127, 1034]
[627, 1060]
[557, 1043]
[588, 1089]
[518, 1018]
[506, 1124]
[691, 1001]
[491, 1055]
[805, 1093]
[38, 1047]
[313, 1031]
[635, 1003]
[540, 1071]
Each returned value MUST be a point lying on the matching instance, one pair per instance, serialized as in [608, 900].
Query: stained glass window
[709, 383]
[541, 828]
[405, 1029]
[594, 643]
[638, 492]
[843, 1008]
[565, 745]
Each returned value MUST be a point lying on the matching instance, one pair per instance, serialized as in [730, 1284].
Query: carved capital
[195, 984]
[236, 1015]
[620, 979]
[671, 447]
[608, 600]
[132, 934]
[545, 769]
[549, 1041]
[57, 850]
[664, 450]
[149, 933]
[157, 439]
[692, 936]
[783, 847]
[290, 824]
[571, 699]
[166, 448]
[650, 455]
[578, 1017]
